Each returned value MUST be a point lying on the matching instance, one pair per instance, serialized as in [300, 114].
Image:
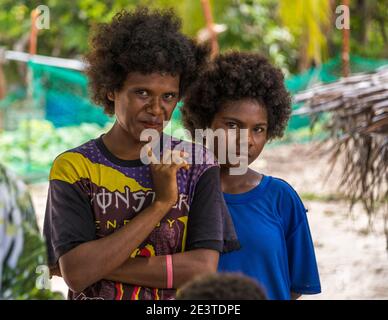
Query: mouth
[151, 124]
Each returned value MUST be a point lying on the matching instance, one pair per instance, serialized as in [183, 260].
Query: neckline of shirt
[246, 196]
[112, 158]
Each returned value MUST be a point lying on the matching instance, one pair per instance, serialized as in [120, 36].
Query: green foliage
[368, 30]
[20, 282]
[70, 23]
[27, 250]
[43, 143]
[254, 25]
[307, 20]
[282, 30]
[190, 12]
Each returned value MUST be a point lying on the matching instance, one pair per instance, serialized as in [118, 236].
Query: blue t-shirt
[276, 245]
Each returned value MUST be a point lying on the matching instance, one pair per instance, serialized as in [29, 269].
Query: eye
[169, 96]
[231, 125]
[142, 93]
[259, 129]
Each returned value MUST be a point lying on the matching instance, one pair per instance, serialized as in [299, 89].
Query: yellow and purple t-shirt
[92, 194]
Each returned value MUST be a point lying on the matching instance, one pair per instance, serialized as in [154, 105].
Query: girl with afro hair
[243, 91]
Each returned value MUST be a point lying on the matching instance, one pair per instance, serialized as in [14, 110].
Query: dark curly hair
[140, 41]
[222, 286]
[234, 76]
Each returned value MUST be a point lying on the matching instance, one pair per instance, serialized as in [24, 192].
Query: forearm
[90, 261]
[141, 271]
[190, 264]
[151, 272]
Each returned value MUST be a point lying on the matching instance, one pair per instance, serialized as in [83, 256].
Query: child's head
[222, 286]
[139, 66]
[240, 91]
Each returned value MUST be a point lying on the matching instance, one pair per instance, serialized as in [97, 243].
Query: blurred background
[334, 151]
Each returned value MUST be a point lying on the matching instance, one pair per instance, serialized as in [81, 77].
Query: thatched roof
[353, 97]
[358, 126]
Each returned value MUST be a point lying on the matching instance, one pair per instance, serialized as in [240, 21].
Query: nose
[156, 107]
[245, 136]
[250, 139]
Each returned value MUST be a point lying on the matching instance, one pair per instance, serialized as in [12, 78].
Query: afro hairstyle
[236, 76]
[145, 41]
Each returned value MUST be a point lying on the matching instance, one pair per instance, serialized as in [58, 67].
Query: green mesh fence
[64, 96]
[55, 113]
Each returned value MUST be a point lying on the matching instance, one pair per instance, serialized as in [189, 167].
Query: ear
[111, 96]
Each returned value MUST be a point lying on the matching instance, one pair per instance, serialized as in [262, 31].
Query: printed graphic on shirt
[116, 194]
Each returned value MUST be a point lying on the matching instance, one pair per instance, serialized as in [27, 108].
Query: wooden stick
[34, 32]
[345, 44]
[210, 26]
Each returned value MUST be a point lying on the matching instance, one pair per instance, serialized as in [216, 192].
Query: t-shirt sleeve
[210, 225]
[68, 220]
[303, 268]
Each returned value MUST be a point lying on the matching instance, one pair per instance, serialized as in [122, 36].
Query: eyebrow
[150, 90]
[232, 119]
[239, 122]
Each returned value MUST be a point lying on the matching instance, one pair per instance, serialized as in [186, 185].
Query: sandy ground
[353, 262]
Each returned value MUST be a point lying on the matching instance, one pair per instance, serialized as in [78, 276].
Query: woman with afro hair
[243, 91]
[116, 226]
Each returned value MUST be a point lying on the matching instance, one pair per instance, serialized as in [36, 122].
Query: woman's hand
[164, 175]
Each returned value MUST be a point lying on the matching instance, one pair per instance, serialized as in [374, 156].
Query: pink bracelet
[169, 272]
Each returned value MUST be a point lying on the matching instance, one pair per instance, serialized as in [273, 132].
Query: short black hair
[235, 76]
[222, 286]
[144, 41]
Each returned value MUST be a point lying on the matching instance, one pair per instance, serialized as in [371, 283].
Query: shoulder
[204, 165]
[282, 188]
[71, 164]
[287, 203]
